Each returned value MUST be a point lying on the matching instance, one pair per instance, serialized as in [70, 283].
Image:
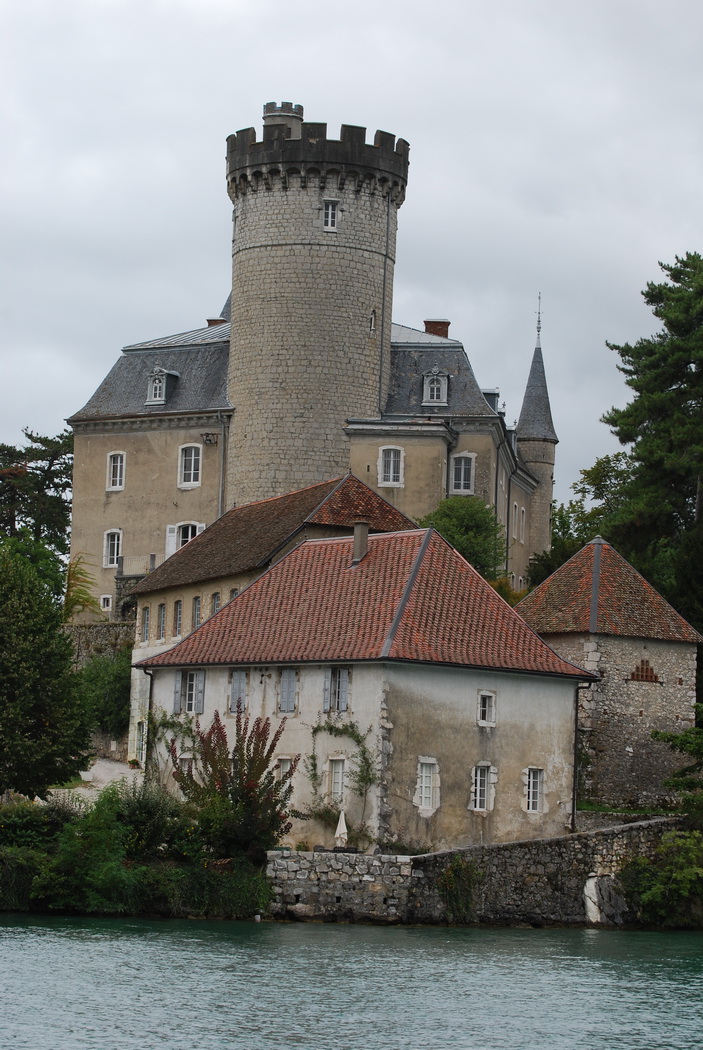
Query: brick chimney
[437, 326]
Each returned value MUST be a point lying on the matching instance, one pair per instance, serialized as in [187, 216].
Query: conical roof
[535, 422]
[598, 592]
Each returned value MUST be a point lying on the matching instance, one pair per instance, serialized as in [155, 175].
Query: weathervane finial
[539, 317]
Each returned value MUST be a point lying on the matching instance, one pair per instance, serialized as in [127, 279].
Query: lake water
[92, 984]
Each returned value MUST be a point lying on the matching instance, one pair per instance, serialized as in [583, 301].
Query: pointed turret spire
[535, 422]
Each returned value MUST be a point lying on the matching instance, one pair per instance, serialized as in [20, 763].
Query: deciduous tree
[473, 529]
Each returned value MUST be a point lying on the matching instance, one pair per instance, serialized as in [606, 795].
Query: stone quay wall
[563, 881]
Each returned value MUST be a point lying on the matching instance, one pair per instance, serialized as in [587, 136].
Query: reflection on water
[86, 984]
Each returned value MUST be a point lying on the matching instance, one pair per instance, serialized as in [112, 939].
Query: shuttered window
[238, 692]
[336, 689]
[286, 693]
[189, 693]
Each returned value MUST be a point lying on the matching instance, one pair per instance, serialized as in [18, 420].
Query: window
[283, 767]
[161, 622]
[189, 693]
[115, 471]
[329, 215]
[214, 602]
[462, 473]
[479, 788]
[238, 693]
[434, 388]
[177, 617]
[233, 593]
[514, 521]
[427, 787]
[286, 693]
[196, 612]
[178, 535]
[145, 623]
[336, 689]
[390, 466]
[522, 524]
[425, 784]
[156, 390]
[534, 790]
[112, 549]
[141, 743]
[337, 781]
[372, 322]
[106, 602]
[189, 466]
[486, 710]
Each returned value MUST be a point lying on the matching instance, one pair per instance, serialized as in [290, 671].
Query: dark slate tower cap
[535, 422]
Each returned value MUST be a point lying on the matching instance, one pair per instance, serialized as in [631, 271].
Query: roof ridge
[329, 495]
[405, 597]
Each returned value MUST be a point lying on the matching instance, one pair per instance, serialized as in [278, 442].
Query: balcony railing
[138, 564]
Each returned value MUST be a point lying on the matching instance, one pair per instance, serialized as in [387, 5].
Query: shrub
[35, 826]
[668, 889]
[456, 886]
[18, 868]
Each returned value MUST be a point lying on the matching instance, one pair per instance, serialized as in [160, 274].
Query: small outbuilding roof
[247, 537]
[412, 597]
[598, 592]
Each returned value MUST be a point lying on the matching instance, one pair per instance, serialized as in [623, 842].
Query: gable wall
[620, 763]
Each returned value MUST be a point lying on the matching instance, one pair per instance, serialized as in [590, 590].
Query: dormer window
[434, 390]
[160, 385]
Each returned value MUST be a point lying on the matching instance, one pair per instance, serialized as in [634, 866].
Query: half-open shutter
[177, 694]
[199, 692]
[200, 527]
[171, 531]
[327, 689]
[343, 673]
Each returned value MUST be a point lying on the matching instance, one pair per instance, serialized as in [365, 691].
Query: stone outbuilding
[424, 707]
[599, 612]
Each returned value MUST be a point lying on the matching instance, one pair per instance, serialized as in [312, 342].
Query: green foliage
[78, 596]
[456, 886]
[105, 681]
[26, 824]
[44, 721]
[35, 488]
[473, 529]
[19, 866]
[241, 804]
[668, 889]
[657, 507]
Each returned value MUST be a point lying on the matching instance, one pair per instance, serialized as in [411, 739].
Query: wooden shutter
[238, 696]
[343, 673]
[200, 527]
[199, 692]
[327, 689]
[177, 693]
[170, 540]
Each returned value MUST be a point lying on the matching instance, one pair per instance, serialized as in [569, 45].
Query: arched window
[462, 473]
[189, 466]
[115, 471]
[391, 462]
[434, 389]
[112, 548]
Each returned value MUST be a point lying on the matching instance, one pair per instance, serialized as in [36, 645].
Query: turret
[312, 291]
[536, 441]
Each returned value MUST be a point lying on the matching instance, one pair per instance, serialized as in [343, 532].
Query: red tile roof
[412, 597]
[247, 537]
[598, 592]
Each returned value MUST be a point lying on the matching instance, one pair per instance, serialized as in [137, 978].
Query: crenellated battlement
[294, 148]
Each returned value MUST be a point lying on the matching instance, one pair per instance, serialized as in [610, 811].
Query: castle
[302, 377]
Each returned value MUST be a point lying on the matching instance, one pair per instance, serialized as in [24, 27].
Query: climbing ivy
[456, 886]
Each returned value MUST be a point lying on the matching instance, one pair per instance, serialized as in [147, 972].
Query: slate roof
[411, 598]
[201, 386]
[247, 537]
[535, 422]
[409, 365]
[598, 592]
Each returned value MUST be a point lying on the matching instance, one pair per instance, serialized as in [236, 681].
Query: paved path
[103, 772]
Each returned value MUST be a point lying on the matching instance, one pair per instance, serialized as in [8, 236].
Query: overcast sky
[555, 146]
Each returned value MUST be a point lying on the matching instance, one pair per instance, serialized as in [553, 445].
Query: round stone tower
[312, 290]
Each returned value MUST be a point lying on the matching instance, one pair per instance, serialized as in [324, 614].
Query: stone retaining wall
[564, 881]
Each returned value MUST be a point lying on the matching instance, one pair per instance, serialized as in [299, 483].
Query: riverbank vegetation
[137, 850]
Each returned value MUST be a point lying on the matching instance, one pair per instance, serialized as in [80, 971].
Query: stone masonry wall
[310, 330]
[644, 684]
[99, 639]
[544, 882]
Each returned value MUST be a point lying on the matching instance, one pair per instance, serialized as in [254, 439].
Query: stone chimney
[361, 541]
[437, 326]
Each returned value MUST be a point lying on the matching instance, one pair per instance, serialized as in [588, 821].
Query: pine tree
[44, 724]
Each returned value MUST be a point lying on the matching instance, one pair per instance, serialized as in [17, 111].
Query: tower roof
[412, 597]
[535, 422]
[598, 592]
